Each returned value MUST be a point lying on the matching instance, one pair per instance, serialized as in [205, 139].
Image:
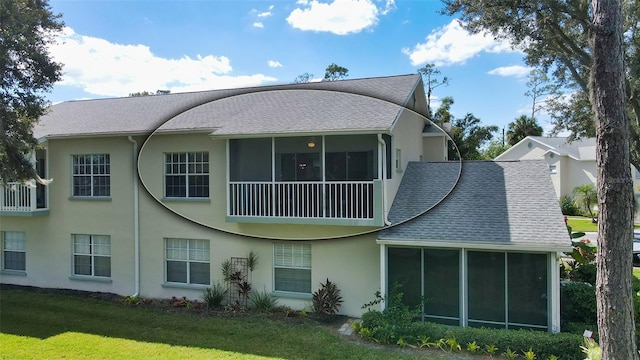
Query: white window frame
[553, 169]
[300, 259]
[399, 160]
[189, 251]
[104, 172]
[190, 160]
[19, 247]
[96, 249]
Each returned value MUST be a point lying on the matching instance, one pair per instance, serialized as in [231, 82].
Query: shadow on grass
[42, 314]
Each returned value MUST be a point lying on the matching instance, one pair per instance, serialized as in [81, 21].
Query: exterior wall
[522, 151]
[405, 135]
[580, 173]
[434, 148]
[352, 263]
[48, 238]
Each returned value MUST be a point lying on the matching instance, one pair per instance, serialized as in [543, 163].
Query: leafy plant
[510, 354]
[452, 344]
[226, 268]
[568, 206]
[591, 349]
[327, 299]
[529, 354]
[473, 347]
[424, 342]
[401, 342]
[252, 261]
[263, 302]
[490, 349]
[214, 296]
[553, 357]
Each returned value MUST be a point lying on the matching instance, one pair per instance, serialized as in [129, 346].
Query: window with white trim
[553, 169]
[91, 175]
[13, 251]
[187, 175]
[188, 261]
[292, 267]
[92, 255]
[398, 160]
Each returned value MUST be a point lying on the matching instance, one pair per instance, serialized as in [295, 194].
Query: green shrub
[577, 304]
[568, 206]
[585, 273]
[214, 296]
[263, 302]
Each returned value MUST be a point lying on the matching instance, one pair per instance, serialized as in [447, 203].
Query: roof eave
[537, 247]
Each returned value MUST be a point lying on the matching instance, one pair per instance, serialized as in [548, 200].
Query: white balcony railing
[297, 199]
[18, 197]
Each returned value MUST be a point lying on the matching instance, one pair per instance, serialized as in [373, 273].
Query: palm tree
[522, 127]
[585, 196]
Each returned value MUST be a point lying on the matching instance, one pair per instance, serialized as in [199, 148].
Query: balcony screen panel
[405, 267]
[296, 161]
[250, 159]
[442, 282]
[528, 298]
[351, 157]
[486, 282]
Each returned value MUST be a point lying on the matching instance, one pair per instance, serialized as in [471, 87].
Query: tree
[614, 297]
[431, 81]
[26, 30]
[303, 78]
[495, 148]
[149, 93]
[585, 197]
[335, 72]
[554, 35]
[540, 90]
[469, 136]
[522, 127]
[443, 113]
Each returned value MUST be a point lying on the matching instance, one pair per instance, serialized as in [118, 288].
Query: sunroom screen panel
[405, 268]
[442, 284]
[486, 283]
[528, 298]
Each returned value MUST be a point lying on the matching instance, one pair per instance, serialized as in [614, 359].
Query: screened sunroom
[307, 179]
[476, 288]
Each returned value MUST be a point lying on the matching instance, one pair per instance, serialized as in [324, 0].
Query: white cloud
[274, 64]
[451, 44]
[340, 17]
[515, 70]
[258, 25]
[103, 68]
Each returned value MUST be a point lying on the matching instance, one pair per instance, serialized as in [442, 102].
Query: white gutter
[383, 153]
[136, 220]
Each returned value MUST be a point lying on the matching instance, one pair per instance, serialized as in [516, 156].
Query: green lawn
[583, 224]
[43, 325]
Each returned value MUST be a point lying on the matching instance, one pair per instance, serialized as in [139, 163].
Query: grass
[579, 223]
[37, 324]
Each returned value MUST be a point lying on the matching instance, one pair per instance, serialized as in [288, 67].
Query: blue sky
[116, 47]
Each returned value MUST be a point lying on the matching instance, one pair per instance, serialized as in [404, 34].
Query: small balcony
[336, 203]
[22, 199]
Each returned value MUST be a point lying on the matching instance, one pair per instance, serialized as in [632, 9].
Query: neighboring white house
[150, 195]
[570, 164]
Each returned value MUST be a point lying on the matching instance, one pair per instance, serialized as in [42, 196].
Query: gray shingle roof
[582, 149]
[366, 102]
[494, 204]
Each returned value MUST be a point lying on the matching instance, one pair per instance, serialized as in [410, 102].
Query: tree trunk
[615, 193]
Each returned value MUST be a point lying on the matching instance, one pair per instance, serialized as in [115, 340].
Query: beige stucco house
[150, 195]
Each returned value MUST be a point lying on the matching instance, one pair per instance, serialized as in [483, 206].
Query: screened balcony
[310, 180]
[25, 198]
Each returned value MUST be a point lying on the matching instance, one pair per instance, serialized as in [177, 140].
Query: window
[188, 261]
[553, 169]
[292, 267]
[187, 175]
[91, 175]
[92, 255]
[13, 251]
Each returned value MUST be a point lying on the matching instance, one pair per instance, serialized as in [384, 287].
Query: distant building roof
[583, 149]
[371, 103]
[493, 205]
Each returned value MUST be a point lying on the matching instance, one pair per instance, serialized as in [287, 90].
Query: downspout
[136, 220]
[383, 152]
